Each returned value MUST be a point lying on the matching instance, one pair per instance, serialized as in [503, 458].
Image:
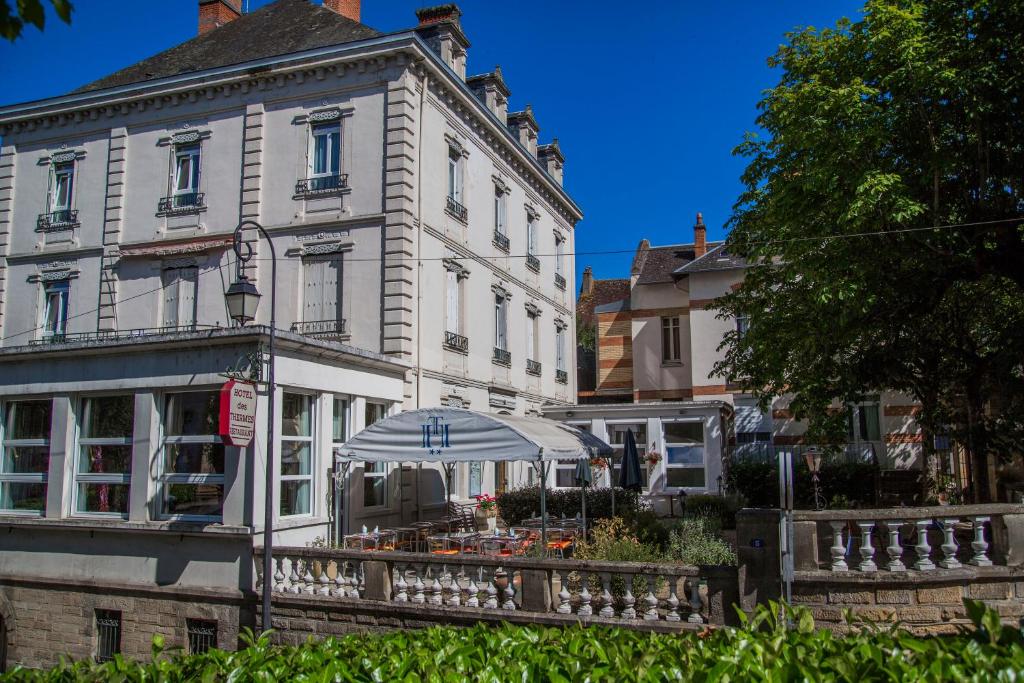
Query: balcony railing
[456, 342]
[456, 209]
[323, 184]
[61, 219]
[116, 335]
[190, 202]
[501, 241]
[533, 263]
[320, 328]
[560, 281]
[532, 367]
[501, 356]
[561, 376]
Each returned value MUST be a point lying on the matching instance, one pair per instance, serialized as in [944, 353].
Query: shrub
[722, 508]
[521, 503]
[763, 649]
[757, 481]
[695, 541]
[614, 541]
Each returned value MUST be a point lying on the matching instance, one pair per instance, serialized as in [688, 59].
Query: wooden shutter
[502, 324]
[188, 282]
[313, 297]
[331, 289]
[531, 339]
[171, 279]
[452, 302]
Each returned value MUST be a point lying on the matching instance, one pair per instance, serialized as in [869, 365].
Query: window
[531, 235]
[339, 421]
[560, 348]
[476, 477]
[55, 308]
[455, 175]
[742, 325]
[501, 322]
[186, 176]
[617, 439]
[321, 298]
[375, 474]
[500, 212]
[684, 458]
[862, 421]
[453, 316]
[753, 425]
[108, 634]
[105, 455]
[202, 635]
[326, 156]
[559, 254]
[670, 340]
[179, 286]
[62, 182]
[296, 454]
[25, 455]
[532, 323]
[193, 476]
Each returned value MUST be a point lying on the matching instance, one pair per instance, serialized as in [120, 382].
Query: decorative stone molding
[184, 137]
[532, 211]
[533, 309]
[560, 324]
[500, 184]
[324, 115]
[455, 265]
[55, 271]
[319, 249]
[458, 145]
[64, 156]
[169, 264]
[499, 289]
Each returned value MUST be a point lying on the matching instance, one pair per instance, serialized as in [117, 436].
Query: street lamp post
[242, 299]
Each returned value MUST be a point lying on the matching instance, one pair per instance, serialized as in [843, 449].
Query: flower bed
[762, 650]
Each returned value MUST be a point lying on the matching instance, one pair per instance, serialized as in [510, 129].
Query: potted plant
[486, 512]
[653, 457]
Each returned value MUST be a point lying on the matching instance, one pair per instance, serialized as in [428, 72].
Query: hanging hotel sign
[237, 412]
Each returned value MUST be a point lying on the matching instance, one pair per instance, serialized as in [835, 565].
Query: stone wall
[46, 619]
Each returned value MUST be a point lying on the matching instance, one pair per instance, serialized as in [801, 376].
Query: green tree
[882, 216]
[29, 12]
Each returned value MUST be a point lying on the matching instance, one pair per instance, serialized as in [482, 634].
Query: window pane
[374, 490]
[374, 413]
[62, 186]
[869, 416]
[194, 413]
[684, 432]
[103, 498]
[686, 476]
[28, 420]
[685, 455]
[26, 459]
[338, 421]
[194, 499]
[335, 144]
[96, 459]
[294, 498]
[565, 476]
[195, 458]
[475, 478]
[183, 173]
[295, 457]
[109, 417]
[295, 418]
[617, 433]
[18, 496]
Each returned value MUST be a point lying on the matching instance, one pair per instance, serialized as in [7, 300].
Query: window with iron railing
[559, 281]
[108, 634]
[59, 214]
[501, 241]
[456, 209]
[324, 184]
[202, 635]
[54, 221]
[456, 342]
[502, 357]
[533, 263]
[533, 367]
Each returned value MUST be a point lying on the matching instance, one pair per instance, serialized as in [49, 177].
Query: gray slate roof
[279, 28]
[717, 258]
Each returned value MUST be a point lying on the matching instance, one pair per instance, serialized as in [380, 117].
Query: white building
[423, 244]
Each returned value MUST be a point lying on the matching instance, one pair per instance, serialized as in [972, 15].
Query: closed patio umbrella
[584, 479]
[630, 477]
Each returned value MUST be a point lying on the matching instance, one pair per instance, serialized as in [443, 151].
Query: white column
[145, 453]
[60, 472]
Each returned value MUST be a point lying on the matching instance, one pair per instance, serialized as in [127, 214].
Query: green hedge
[518, 504]
[757, 481]
[763, 650]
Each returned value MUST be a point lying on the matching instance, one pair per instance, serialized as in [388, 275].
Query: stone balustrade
[909, 539]
[621, 592]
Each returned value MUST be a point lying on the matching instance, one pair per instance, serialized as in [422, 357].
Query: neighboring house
[656, 348]
[593, 294]
[424, 257]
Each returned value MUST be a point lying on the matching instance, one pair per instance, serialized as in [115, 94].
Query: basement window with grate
[202, 635]
[108, 634]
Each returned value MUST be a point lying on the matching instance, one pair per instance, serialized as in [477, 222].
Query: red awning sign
[237, 413]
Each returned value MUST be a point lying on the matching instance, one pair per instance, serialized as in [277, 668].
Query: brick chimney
[551, 158]
[439, 27]
[215, 13]
[346, 8]
[524, 127]
[439, 13]
[700, 237]
[587, 282]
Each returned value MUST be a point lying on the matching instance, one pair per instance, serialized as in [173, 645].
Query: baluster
[651, 613]
[259, 578]
[510, 593]
[353, 581]
[401, 586]
[607, 601]
[673, 600]
[894, 548]
[867, 549]
[279, 575]
[361, 585]
[473, 598]
[293, 576]
[585, 609]
[325, 583]
[628, 600]
[308, 581]
[949, 545]
[838, 549]
[436, 589]
[455, 596]
[339, 580]
[492, 593]
[923, 550]
[418, 588]
[695, 617]
[979, 545]
[564, 597]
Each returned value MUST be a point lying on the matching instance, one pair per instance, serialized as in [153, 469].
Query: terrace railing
[321, 185]
[117, 335]
[320, 328]
[456, 342]
[185, 203]
[55, 221]
[501, 241]
[456, 209]
[576, 589]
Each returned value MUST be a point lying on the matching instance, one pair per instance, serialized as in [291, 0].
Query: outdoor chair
[560, 541]
[409, 539]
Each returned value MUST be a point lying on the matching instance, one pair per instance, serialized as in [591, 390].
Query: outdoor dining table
[501, 544]
[370, 540]
[454, 543]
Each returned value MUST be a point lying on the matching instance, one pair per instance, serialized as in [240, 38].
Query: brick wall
[47, 619]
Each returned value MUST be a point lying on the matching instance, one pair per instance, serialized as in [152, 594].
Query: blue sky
[647, 99]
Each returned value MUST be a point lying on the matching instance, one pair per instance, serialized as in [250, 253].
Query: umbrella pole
[543, 507]
[611, 476]
[583, 505]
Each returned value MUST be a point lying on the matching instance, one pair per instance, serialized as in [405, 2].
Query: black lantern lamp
[243, 299]
[813, 458]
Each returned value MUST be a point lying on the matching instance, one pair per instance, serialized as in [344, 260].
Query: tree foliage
[33, 12]
[882, 217]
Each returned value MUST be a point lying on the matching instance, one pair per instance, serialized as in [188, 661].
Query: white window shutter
[452, 302]
[531, 340]
[188, 282]
[313, 297]
[170, 284]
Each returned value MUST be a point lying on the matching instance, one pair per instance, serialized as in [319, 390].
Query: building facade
[423, 247]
